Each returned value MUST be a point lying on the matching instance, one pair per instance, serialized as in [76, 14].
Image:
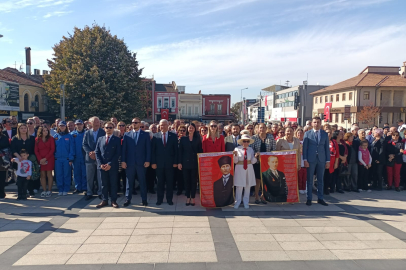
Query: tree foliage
[368, 114]
[236, 111]
[100, 74]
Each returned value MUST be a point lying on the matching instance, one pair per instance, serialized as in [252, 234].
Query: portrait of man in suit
[276, 189]
[223, 188]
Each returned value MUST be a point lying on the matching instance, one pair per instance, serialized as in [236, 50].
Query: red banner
[216, 175]
[279, 176]
[165, 114]
[327, 109]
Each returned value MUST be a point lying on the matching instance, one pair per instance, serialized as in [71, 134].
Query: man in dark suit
[164, 159]
[231, 141]
[275, 182]
[89, 145]
[108, 150]
[135, 158]
[223, 188]
[8, 130]
[316, 157]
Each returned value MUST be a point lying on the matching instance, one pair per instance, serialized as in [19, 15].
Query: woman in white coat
[244, 176]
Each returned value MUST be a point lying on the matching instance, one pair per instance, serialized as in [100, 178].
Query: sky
[220, 46]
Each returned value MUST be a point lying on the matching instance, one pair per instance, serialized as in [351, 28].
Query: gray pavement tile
[254, 237]
[101, 248]
[102, 232]
[193, 231]
[54, 249]
[286, 230]
[192, 256]
[109, 239]
[294, 237]
[388, 244]
[180, 266]
[310, 255]
[4, 248]
[287, 265]
[140, 239]
[345, 245]
[57, 267]
[94, 258]
[147, 247]
[258, 229]
[65, 240]
[43, 259]
[138, 266]
[355, 254]
[231, 255]
[224, 246]
[334, 236]
[304, 245]
[144, 257]
[389, 229]
[374, 236]
[381, 264]
[186, 247]
[231, 266]
[332, 265]
[264, 256]
[327, 229]
[249, 246]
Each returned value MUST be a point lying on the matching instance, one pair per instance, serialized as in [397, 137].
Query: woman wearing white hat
[244, 176]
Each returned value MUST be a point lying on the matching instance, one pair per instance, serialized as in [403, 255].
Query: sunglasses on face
[141, 126]
[121, 125]
[395, 135]
[108, 127]
[182, 130]
[213, 126]
[249, 128]
[135, 122]
[246, 141]
[29, 123]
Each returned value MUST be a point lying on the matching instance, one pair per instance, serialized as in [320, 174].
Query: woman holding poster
[244, 177]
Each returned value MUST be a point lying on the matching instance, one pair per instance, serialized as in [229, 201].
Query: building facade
[378, 86]
[165, 98]
[190, 107]
[216, 107]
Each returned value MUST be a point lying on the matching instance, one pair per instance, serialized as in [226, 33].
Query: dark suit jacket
[89, 144]
[377, 151]
[275, 186]
[223, 195]
[136, 154]
[108, 154]
[188, 150]
[164, 156]
[229, 142]
[311, 147]
[13, 133]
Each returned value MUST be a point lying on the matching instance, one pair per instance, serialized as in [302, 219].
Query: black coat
[276, 187]
[223, 195]
[17, 145]
[4, 144]
[188, 150]
[355, 145]
[13, 133]
[164, 157]
[391, 149]
[377, 151]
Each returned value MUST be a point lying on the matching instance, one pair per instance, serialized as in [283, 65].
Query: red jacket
[210, 147]
[334, 154]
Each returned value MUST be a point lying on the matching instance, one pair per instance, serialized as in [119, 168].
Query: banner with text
[216, 175]
[279, 176]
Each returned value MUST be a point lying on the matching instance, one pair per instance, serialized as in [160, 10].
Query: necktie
[317, 136]
[224, 181]
[107, 140]
[164, 140]
[245, 159]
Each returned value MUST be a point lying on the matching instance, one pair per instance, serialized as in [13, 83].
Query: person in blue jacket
[79, 166]
[64, 155]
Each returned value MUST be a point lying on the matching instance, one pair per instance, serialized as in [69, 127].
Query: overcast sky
[221, 46]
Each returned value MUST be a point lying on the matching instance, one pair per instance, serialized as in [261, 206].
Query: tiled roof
[13, 75]
[366, 79]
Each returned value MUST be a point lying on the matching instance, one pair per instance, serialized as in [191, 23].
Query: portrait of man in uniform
[275, 187]
[223, 187]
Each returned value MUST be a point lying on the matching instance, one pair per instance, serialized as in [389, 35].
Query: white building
[190, 107]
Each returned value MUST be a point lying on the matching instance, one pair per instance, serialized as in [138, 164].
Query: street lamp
[242, 118]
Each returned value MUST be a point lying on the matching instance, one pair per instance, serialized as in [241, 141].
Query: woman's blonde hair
[209, 130]
[18, 130]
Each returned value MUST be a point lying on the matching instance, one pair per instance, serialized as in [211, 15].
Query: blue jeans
[319, 168]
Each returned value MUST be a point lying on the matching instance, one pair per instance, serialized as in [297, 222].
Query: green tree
[236, 110]
[100, 74]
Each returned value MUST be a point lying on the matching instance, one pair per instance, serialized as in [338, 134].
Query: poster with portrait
[279, 176]
[216, 175]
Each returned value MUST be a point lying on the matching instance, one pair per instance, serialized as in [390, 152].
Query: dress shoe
[322, 202]
[102, 204]
[170, 203]
[397, 189]
[152, 191]
[308, 202]
[127, 203]
[88, 197]
[340, 191]
[76, 191]
[158, 202]
[144, 203]
[179, 193]
[114, 204]
[389, 188]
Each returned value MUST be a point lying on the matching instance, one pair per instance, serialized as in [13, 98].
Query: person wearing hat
[244, 157]
[223, 187]
[79, 166]
[64, 156]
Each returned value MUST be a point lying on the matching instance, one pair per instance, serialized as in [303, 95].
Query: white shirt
[9, 133]
[290, 145]
[165, 135]
[24, 168]
[235, 139]
[225, 178]
[275, 172]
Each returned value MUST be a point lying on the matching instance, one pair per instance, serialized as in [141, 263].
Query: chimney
[28, 60]
[37, 71]
[403, 70]
[45, 72]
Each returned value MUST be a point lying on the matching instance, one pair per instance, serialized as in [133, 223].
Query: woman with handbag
[342, 170]
[394, 152]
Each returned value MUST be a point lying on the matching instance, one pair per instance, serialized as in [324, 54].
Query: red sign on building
[327, 109]
[165, 114]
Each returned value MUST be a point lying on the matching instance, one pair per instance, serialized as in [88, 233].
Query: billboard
[9, 96]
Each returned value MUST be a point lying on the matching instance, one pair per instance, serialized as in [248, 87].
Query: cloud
[225, 65]
[56, 14]
[10, 5]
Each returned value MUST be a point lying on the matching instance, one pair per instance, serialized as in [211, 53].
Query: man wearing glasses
[108, 150]
[8, 130]
[135, 158]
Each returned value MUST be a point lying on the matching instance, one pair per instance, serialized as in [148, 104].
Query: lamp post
[303, 98]
[241, 114]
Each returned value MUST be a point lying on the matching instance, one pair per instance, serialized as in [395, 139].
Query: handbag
[343, 170]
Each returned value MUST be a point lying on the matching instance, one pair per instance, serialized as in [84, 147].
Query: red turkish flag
[327, 109]
[165, 114]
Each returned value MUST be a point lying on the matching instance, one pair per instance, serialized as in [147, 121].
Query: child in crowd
[365, 161]
[24, 171]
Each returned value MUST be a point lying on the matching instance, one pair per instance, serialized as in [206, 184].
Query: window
[366, 95]
[342, 117]
[338, 97]
[159, 102]
[219, 108]
[36, 103]
[331, 98]
[183, 110]
[166, 102]
[26, 107]
[350, 96]
[189, 110]
[196, 110]
[315, 101]
[173, 102]
[326, 99]
[343, 98]
[212, 108]
[336, 117]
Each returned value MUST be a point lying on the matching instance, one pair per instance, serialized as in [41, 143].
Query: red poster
[279, 176]
[327, 110]
[165, 114]
[216, 174]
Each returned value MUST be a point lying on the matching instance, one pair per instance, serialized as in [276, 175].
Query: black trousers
[327, 180]
[377, 169]
[363, 175]
[3, 178]
[403, 175]
[22, 187]
[121, 176]
[178, 174]
[151, 177]
[335, 182]
[109, 184]
[165, 177]
[190, 180]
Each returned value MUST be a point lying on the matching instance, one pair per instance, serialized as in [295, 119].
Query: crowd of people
[105, 158]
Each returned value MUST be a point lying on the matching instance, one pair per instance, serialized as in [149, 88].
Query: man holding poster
[275, 182]
[223, 187]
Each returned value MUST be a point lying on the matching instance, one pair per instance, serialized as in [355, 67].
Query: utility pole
[63, 102]
[241, 109]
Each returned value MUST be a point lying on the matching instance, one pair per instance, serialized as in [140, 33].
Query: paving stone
[18, 234]
[308, 255]
[191, 238]
[85, 220]
[393, 253]
[326, 229]
[107, 239]
[253, 237]
[187, 224]
[140, 239]
[194, 231]
[287, 230]
[157, 219]
[232, 266]
[307, 245]
[66, 233]
[334, 236]
[293, 237]
[10, 241]
[258, 229]
[147, 247]
[65, 240]
[387, 244]
[264, 256]
[345, 245]
[203, 246]
[259, 246]
[111, 225]
[144, 257]
[280, 223]
[185, 257]
[180, 266]
[156, 231]
[94, 258]
[54, 249]
[80, 226]
[43, 259]
[381, 264]
[245, 224]
[190, 219]
[332, 265]
[101, 248]
[370, 229]
[113, 232]
[374, 236]
[4, 248]
[353, 254]
[121, 219]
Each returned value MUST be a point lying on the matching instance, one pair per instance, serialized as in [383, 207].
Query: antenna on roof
[21, 66]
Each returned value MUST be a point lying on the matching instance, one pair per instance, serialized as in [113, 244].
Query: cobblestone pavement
[356, 231]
